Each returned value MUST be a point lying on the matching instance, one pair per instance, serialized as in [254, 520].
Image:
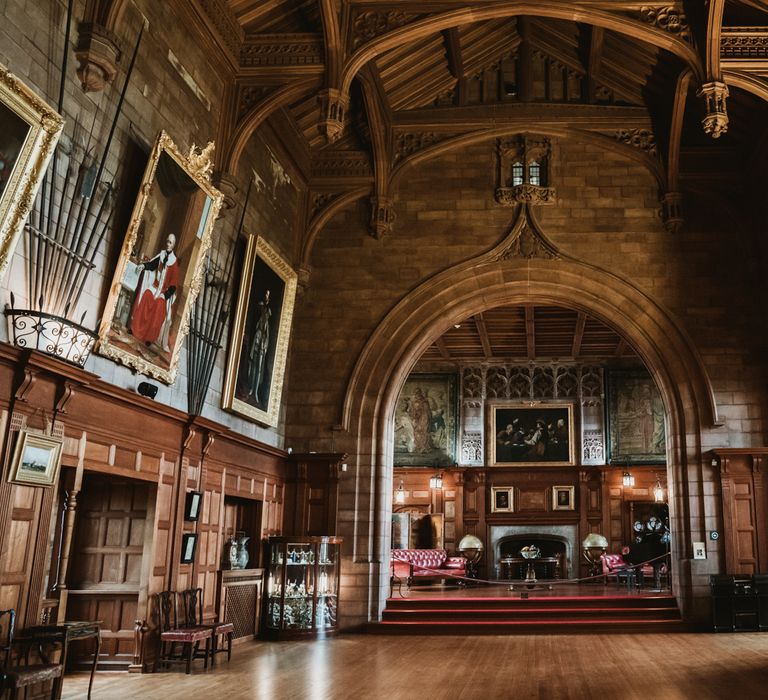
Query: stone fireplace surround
[564, 533]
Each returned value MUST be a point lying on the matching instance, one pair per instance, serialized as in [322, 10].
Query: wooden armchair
[193, 615]
[14, 676]
[171, 634]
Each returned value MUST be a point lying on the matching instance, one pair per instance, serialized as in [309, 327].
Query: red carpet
[513, 614]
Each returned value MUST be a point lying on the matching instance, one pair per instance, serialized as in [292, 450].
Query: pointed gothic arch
[521, 271]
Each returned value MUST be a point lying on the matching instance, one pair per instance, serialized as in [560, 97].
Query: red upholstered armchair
[614, 567]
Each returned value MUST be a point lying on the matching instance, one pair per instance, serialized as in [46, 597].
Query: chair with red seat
[193, 615]
[614, 566]
[171, 634]
[14, 676]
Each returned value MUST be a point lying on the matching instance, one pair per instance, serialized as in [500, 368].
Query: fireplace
[551, 547]
[552, 540]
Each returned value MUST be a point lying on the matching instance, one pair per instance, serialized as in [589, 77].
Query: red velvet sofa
[410, 564]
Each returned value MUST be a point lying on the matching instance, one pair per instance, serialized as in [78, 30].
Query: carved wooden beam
[596, 40]
[271, 102]
[458, 118]
[672, 199]
[578, 334]
[482, 331]
[382, 211]
[530, 332]
[440, 345]
[334, 49]
[713, 91]
[641, 29]
[282, 56]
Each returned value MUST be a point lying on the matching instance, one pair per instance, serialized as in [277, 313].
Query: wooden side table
[66, 632]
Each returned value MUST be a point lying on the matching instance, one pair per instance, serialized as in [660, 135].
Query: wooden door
[106, 566]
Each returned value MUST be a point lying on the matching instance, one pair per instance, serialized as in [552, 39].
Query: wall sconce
[436, 482]
[658, 491]
[400, 493]
[628, 480]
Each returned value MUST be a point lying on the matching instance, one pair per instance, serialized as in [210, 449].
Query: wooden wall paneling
[744, 509]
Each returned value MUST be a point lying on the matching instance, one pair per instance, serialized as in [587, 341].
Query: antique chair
[193, 616]
[171, 634]
[615, 567]
[14, 676]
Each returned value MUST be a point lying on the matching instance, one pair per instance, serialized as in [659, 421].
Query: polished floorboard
[359, 666]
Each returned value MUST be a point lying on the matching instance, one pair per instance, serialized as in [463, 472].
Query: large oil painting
[29, 130]
[260, 334]
[160, 269]
[425, 421]
[525, 434]
[635, 419]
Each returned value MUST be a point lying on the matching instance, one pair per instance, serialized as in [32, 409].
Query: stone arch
[485, 282]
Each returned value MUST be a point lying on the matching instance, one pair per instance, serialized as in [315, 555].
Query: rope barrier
[551, 583]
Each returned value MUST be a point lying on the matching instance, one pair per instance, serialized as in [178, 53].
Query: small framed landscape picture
[563, 497]
[502, 499]
[36, 460]
[188, 547]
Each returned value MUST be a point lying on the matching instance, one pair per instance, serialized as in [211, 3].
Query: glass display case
[302, 586]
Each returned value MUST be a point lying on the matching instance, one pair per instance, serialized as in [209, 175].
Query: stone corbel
[382, 216]
[304, 272]
[333, 113]
[227, 185]
[715, 121]
[98, 54]
[671, 211]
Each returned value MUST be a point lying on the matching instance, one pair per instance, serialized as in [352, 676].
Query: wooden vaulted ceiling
[475, 62]
[527, 333]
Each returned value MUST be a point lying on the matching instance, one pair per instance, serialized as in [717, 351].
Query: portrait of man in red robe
[152, 311]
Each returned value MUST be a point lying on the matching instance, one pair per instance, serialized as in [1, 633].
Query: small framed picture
[563, 497]
[192, 505]
[188, 547]
[36, 460]
[502, 499]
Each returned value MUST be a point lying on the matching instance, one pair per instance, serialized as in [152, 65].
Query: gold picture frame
[529, 434]
[502, 499]
[261, 331]
[29, 131]
[563, 498]
[146, 317]
[36, 460]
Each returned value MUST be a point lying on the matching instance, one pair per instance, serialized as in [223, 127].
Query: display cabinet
[302, 587]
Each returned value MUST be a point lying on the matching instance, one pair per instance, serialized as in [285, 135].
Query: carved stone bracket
[671, 211]
[525, 241]
[525, 194]
[227, 185]
[715, 120]
[670, 19]
[333, 112]
[98, 54]
[382, 216]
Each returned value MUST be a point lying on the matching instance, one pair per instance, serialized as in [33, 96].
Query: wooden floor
[603, 667]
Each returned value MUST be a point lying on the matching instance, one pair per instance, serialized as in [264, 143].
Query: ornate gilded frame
[257, 248]
[198, 166]
[45, 125]
[19, 474]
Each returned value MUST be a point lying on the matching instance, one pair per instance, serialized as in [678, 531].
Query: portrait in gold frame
[29, 131]
[260, 333]
[159, 272]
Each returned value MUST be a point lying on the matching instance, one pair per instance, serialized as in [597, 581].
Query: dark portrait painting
[260, 334]
[528, 434]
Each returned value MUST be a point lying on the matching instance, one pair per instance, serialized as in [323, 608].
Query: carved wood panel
[106, 564]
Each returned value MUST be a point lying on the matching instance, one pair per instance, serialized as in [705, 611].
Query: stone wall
[607, 216]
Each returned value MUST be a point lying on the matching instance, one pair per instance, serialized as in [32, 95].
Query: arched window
[517, 174]
[534, 173]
